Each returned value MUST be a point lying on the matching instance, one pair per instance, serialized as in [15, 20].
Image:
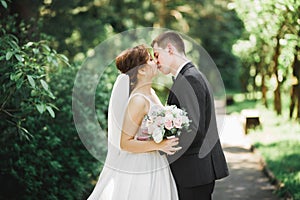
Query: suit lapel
[181, 73]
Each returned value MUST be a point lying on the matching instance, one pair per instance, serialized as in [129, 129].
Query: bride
[134, 169]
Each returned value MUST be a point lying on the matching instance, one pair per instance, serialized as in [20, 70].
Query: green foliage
[23, 79]
[53, 164]
[269, 44]
[81, 25]
[43, 157]
[239, 106]
[103, 93]
[3, 3]
[41, 154]
[218, 28]
[278, 141]
[282, 158]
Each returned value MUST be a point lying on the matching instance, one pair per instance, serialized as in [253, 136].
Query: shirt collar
[180, 68]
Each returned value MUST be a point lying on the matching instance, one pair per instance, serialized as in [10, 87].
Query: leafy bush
[41, 154]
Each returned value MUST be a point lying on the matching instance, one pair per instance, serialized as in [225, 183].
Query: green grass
[283, 158]
[278, 141]
[238, 107]
[240, 102]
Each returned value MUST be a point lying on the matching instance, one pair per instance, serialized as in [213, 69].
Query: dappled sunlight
[233, 132]
[246, 180]
[254, 44]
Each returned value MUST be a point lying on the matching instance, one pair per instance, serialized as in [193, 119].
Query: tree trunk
[298, 94]
[277, 95]
[293, 100]
[264, 89]
[295, 94]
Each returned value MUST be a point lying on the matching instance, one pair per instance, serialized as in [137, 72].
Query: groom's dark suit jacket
[201, 161]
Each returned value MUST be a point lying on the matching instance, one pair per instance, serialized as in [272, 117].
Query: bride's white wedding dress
[134, 176]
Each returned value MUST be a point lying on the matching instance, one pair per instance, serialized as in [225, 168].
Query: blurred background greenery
[255, 45]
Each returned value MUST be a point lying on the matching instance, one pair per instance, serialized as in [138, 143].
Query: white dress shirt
[180, 68]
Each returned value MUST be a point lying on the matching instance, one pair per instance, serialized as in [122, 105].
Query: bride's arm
[134, 114]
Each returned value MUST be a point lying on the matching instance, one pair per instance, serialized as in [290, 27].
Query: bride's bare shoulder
[138, 102]
[137, 99]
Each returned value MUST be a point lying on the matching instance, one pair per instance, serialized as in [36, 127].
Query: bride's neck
[143, 87]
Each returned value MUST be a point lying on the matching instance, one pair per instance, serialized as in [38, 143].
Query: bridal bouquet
[166, 122]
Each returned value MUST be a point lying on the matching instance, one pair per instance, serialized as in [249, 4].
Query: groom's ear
[170, 48]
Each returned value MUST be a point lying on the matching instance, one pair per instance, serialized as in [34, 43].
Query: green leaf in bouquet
[169, 132]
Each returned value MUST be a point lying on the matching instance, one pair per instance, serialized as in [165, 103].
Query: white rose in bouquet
[166, 122]
[157, 135]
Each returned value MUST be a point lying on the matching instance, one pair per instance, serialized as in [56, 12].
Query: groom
[201, 160]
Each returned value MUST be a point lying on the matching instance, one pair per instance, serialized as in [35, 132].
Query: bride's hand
[168, 146]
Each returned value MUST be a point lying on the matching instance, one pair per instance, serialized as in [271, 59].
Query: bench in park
[250, 119]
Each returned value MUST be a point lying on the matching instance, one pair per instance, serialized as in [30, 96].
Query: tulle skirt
[135, 176]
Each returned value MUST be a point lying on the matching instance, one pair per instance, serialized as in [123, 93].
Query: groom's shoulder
[193, 72]
[194, 75]
[190, 69]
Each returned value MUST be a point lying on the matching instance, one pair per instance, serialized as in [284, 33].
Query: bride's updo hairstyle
[131, 60]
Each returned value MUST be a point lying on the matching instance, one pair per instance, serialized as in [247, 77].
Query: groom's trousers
[201, 192]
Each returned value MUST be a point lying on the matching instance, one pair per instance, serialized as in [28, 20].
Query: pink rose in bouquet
[165, 122]
[168, 121]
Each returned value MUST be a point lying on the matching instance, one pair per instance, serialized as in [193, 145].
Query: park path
[246, 180]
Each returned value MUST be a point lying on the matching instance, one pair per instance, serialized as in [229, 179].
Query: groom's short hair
[172, 37]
